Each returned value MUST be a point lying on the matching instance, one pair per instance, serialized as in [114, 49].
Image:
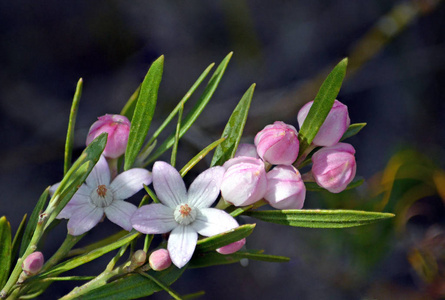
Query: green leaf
[128, 109]
[144, 111]
[196, 110]
[323, 103]
[318, 218]
[32, 222]
[217, 241]
[17, 239]
[207, 259]
[175, 144]
[233, 130]
[134, 285]
[5, 250]
[353, 129]
[106, 241]
[71, 125]
[314, 187]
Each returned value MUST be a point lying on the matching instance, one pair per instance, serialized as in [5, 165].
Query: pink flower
[285, 188]
[246, 150]
[244, 181]
[118, 129]
[334, 167]
[160, 260]
[33, 263]
[278, 144]
[334, 126]
[231, 248]
[98, 196]
[185, 213]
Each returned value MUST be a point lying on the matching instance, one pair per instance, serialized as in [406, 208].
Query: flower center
[101, 197]
[184, 214]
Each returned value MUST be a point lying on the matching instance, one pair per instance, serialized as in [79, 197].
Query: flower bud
[285, 188]
[118, 129]
[246, 150]
[33, 263]
[244, 181]
[278, 144]
[159, 260]
[231, 248]
[334, 126]
[139, 258]
[334, 167]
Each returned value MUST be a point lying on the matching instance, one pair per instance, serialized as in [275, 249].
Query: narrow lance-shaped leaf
[196, 110]
[5, 250]
[317, 218]
[225, 238]
[17, 239]
[234, 129]
[323, 103]
[128, 109]
[144, 111]
[353, 129]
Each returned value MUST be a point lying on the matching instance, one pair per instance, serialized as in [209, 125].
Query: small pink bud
[334, 167]
[244, 181]
[231, 248]
[118, 129]
[160, 260]
[246, 150]
[278, 144]
[285, 188]
[33, 263]
[334, 126]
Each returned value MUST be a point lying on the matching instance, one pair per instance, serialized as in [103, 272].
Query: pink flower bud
[231, 248]
[334, 126]
[33, 263]
[246, 150]
[285, 188]
[334, 167]
[160, 260]
[244, 181]
[118, 129]
[278, 144]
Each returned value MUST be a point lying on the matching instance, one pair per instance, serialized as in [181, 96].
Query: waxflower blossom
[285, 188]
[244, 181]
[246, 150]
[98, 196]
[185, 213]
[334, 126]
[333, 168]
[278, 143]
[231, 248]
[33, 263]
[159, 260]
[118, 129]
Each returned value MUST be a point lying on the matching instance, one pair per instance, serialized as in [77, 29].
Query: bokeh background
[395, 83]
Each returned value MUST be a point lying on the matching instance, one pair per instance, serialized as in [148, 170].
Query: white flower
[97, 196]
[183, 213]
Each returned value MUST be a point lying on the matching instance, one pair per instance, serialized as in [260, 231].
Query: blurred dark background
[395, 83]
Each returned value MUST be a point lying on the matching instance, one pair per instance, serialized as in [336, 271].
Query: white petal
[75, 203]
[84, 218]
[211, 221]
[206, 187]
[153, 219]
[182, 244]
[100, 174]
[168, 184]
[130, 182]
[120, 212]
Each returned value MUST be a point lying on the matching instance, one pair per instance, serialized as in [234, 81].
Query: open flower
[183, 213]
[97, 196]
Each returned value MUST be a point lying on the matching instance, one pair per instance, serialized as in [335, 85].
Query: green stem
[62, 252]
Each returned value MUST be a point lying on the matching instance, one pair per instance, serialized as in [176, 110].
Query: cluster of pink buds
[248, 176]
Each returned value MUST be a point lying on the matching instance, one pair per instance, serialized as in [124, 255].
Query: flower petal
[206, 187]
[78, 200]
[153, 219]
[130, 182]
[168, 184]
[211, 221]
[182, 244]
[84, 218]
[120, 212]
[100, 174]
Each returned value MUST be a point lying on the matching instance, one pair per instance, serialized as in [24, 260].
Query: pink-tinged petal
[182, 244]
[84, 218]
[206, 187]
[100, 174]
[130, 182]
[168, 184]
[78, 200]
[120, 212]
[153, 219]
[231, 248]
[211, 221]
